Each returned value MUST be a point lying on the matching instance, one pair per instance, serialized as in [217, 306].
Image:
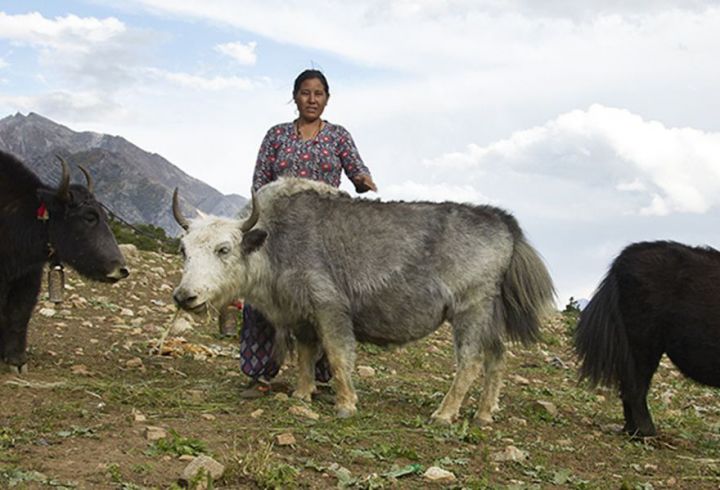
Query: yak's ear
[48, 196]
[252, 240]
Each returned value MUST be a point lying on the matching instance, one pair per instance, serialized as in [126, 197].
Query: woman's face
[311, 99]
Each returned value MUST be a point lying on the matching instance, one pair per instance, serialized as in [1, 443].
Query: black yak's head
[78, 230]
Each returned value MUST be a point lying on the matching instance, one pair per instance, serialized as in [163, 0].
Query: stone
[139, 417]
[48, 312]
[365, 371]
[180, 326]
[129, 251]
[303, 412]
[203, 462]
[80, 369]
[135, 362]
[547, 407]
[257, 413]
[158, 270]
[437, 474]
[511, 453]
[285, 439]
[517, 379]
[153, 433]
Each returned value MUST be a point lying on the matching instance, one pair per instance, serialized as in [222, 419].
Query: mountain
[136, 185]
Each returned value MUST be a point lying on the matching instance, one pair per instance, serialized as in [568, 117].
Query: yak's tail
[527, 293]
[600, 338]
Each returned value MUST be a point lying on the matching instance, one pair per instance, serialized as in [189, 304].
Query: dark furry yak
[75, 232]
[658, 297]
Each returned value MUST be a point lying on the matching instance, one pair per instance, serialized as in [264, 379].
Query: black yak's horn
[254, 216]
[63, 191]
[88, 178]
[177, 213]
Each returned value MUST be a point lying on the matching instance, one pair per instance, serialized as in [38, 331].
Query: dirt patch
[96, 382]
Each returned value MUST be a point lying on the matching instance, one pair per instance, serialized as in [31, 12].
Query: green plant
[178, 445]
[571, 315]
[145, 237]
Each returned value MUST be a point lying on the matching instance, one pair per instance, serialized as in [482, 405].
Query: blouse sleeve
[349, 156]
[264, 166]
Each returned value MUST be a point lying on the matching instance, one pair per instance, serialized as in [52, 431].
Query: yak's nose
[184, 298]
[120, 272]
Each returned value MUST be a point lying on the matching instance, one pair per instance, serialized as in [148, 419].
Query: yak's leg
[338, 340]
[3, 319]
[629, 426]
[638, 421]
[307, 354]
[469, 327]
[21, 298]
[467, 371]
[494, 357]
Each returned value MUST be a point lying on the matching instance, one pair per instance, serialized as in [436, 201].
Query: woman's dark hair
[307, 75]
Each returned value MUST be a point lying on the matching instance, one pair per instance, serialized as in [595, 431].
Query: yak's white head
[218, 263]
[222, 257]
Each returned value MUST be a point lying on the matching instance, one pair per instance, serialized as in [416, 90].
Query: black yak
[41, 224]
[658, 297]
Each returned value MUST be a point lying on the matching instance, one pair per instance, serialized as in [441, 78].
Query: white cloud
[197, 82]
[3, 64]
[242, 53]
[672, 169]
[80, 53]
[69, 33]
[475, 35]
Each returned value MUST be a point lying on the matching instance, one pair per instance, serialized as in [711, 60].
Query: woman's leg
[256, 346]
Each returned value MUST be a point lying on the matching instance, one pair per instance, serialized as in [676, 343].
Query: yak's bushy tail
[600, 338]
[527, 293]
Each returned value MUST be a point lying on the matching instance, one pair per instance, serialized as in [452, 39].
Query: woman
[311, 148]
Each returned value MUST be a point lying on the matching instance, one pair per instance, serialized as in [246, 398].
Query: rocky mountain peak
[135, 184]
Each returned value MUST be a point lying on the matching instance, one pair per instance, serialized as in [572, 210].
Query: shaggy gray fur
[332, 269]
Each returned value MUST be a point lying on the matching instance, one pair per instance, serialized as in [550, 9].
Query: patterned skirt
[257, 338]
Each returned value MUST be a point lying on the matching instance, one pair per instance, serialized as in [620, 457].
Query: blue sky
[594, 122]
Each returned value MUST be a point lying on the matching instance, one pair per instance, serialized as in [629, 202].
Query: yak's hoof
[483, 420]
[346, 412]
[641, 434]
[441, 419]
[20, 370]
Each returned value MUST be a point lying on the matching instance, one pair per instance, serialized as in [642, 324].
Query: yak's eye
[91, 218]
[222, 250]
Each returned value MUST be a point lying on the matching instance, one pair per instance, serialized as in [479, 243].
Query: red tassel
[42, 212]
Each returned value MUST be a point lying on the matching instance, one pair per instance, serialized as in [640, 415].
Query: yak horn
[63, 191]
[254, 216]
[88, 178]
[177, 213]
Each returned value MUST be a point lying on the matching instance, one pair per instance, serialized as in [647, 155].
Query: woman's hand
[364, 183]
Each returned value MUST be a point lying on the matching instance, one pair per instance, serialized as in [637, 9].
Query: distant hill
[135, 184]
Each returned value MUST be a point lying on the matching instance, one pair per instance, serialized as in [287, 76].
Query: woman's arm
[264, 172]
[353, 165]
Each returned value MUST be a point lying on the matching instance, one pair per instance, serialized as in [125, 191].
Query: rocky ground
[123, 393]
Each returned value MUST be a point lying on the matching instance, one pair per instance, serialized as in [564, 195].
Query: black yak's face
[80, 235]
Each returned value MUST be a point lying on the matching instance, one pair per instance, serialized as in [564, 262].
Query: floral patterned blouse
[283, 153]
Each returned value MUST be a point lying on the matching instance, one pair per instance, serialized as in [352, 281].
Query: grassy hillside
[80, 418]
